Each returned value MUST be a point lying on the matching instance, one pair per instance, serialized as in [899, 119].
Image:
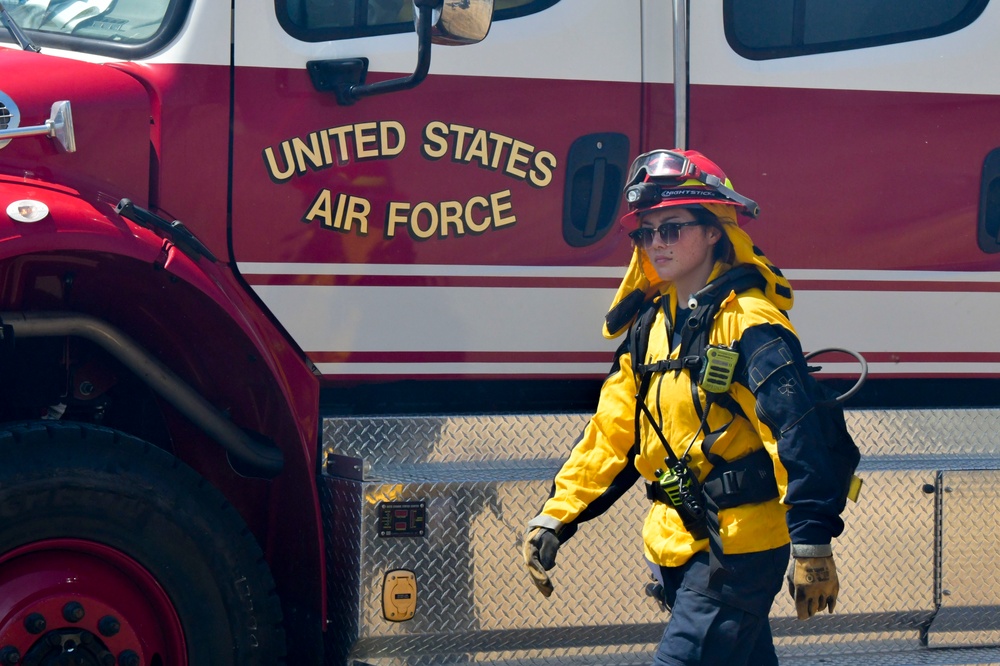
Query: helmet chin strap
[749, 205]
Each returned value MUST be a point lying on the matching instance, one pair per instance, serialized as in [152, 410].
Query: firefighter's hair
[723, 250]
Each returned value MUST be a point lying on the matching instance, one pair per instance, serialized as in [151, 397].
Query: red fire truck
[299, 314]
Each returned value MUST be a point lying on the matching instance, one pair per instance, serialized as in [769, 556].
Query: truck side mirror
[445, 22]
[462, 22]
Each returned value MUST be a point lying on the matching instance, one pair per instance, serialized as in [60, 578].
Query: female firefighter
[708, 402]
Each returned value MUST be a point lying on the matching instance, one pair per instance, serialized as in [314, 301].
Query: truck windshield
[112, 27]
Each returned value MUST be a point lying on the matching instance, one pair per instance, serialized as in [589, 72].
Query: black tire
[152, 536]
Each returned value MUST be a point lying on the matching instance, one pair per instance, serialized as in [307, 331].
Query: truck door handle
[988, 227]
[595, 176]
[596, 188]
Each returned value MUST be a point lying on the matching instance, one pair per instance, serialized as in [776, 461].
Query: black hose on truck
[252, 455]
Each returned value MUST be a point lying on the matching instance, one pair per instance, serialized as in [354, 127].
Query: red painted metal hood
[111, 122]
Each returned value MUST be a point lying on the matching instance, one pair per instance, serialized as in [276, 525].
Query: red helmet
[662, 178]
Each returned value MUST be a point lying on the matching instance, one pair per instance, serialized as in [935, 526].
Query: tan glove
[813, 584]
[540, 547]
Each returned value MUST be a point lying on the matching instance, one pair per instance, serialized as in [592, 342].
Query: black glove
[540, 547]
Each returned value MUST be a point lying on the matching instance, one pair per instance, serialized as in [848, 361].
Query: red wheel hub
[73, 596]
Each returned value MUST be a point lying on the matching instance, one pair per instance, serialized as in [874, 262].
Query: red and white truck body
[368, 322]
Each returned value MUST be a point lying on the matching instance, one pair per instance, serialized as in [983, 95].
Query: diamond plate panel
[483, 477]
[342, 525]
[885, 560]
[944, 437]
[970, 580]
[465, 439]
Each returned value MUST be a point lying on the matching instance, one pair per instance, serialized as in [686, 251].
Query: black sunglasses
[670, 233]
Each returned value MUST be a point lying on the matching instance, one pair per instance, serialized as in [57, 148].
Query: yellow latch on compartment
[399, 595]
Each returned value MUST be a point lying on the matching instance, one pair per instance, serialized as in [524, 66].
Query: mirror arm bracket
[346, 77]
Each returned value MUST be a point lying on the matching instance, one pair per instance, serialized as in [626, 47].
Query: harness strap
[747, 480]
[688, 362]
[727, 401]
[716, 569]
[640, 410]
[710, 438]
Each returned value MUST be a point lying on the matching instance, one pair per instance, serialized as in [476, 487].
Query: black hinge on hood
[174, 231]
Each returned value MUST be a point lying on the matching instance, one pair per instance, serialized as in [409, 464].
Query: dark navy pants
[725, 624]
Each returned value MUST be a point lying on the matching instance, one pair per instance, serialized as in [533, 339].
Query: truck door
[464, 227]
[867, 132]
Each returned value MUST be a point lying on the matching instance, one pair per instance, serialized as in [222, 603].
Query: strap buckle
[731, 482]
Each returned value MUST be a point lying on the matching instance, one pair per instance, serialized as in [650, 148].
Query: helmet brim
[630, 220]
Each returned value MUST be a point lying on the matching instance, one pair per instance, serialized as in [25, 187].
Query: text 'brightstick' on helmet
[662, 178]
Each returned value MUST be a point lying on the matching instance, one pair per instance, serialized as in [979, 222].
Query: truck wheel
[113, 552]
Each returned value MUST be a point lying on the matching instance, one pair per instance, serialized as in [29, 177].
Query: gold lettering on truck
[425, 220]
[334, 146]
[347, 212]
[340, 215]
[463, 144]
